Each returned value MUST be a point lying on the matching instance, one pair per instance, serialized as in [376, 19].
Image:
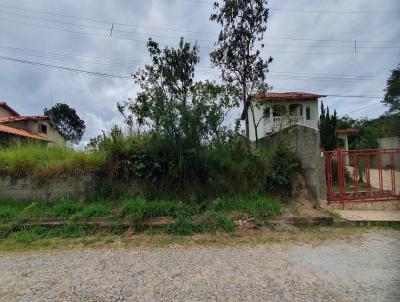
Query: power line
[106, 75]
[101, 61]
[193, 39]
[113, 76]
[109, 23]
[282, 75]
[311, 11]
[362, 108]
[354, 96]
[201, 47]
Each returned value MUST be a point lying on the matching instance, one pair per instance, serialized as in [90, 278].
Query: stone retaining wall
[77, 186]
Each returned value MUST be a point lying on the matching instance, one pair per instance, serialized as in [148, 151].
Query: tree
[171, 104]
[236, 54]
[392, 92]
[327, 127]
[66, 121]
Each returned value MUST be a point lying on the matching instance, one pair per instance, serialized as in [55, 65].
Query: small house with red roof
[274, 111]
[37, 128]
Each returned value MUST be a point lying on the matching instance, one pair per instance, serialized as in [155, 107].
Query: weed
[185, 226]
[95, 210]
[333, 214]
[70, 230]
[253, 204]
[35, 159]
[8, 212]
[224, 222]
[66, 208]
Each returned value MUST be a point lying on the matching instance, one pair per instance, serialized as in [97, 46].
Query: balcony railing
[280, 122]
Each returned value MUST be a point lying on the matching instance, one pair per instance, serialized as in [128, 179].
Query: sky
[344, 49]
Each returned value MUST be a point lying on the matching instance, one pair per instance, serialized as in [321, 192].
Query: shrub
[185, 226]
[7, 212]
[70, 230]
[224, 222]
[254, 204]
[95, 210]
[283, 163]
[134, 209]
[66, 208]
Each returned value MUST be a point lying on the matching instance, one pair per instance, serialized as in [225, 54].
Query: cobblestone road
[364, 268]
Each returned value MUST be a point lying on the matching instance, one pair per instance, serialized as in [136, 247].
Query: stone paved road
[364, 268]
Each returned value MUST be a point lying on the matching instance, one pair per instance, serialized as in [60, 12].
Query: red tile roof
[284, 96]
[4, 105]
[23, 118]
[23, 133]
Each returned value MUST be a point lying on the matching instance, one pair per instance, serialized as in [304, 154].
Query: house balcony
[276, 123]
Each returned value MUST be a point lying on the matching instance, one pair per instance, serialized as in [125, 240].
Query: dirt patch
[303, 204]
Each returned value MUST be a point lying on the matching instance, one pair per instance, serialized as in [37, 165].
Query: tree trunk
[254, 123]
[245, 110]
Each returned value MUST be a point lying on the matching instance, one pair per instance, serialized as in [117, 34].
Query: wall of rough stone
[306, 142]
[77, 186]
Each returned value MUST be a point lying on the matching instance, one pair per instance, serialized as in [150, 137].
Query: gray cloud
[31, 88]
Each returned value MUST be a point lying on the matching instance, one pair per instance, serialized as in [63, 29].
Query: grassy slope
[38, 160]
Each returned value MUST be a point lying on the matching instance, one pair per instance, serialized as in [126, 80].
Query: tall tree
[327, 127]
[67, 121]
[171, 104]
[237, 52]
[392, 92]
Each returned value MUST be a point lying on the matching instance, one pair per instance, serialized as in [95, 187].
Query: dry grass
[159, 239]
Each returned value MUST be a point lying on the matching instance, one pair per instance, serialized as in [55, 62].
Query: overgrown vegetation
[176, 143]
[35, 159]
[19, 218]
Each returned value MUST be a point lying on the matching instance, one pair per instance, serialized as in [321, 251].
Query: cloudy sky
[312, 43]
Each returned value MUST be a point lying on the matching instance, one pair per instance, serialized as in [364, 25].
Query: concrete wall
[77, 186]
[390, 143]
[305, 141]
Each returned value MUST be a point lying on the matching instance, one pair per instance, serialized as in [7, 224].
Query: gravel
[363, 268]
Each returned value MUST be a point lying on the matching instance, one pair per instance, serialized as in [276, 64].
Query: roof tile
[23, 133]
[282, 96]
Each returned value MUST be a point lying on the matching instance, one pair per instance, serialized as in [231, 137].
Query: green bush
[70, 230]
[224, 222]
[254, 204]
[66, 208]
[95, 210]
[186, 226]
[283, 163]
[8, 211]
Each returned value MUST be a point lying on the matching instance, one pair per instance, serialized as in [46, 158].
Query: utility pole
[112, 28]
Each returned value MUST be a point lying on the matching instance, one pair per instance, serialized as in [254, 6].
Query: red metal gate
[362, 175]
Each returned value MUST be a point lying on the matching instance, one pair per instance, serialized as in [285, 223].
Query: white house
[274, 111]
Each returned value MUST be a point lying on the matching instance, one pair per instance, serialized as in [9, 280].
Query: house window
[42, 128]
[301, 110]
[267, 112]
[308, 113]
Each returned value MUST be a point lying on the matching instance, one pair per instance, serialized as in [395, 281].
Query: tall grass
[33, 159]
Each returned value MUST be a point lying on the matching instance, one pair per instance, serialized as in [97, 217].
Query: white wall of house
[5, 112]
[265, 125]
[52, 134]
